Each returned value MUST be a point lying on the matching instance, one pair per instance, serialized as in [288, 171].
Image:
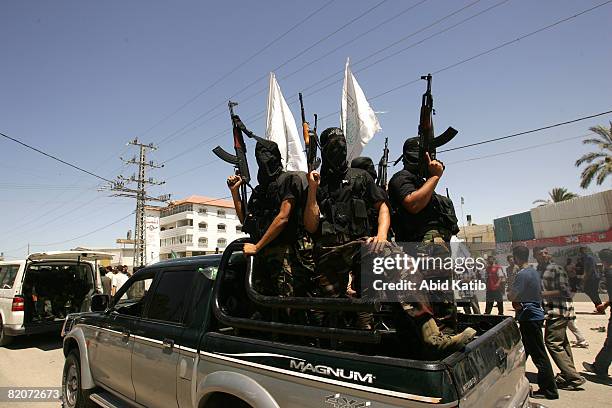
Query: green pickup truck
[186, 337]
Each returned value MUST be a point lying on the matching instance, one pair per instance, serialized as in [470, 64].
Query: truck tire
[4, 339]
[73, 396]
[222, 400]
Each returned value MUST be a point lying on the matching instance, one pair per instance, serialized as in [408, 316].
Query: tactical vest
[264, 206]
[344, 220]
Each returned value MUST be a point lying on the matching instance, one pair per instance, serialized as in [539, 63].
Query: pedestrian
[559, 310]
[106, 281]
[495, 286]
[526, 297]
[511, 271]
[118, 280]
[469, 299]
[603, 359]
[591, 277]
[274, 223]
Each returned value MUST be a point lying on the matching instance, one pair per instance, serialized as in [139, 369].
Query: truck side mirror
[99, 303]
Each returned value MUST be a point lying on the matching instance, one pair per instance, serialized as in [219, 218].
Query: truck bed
[491, 368]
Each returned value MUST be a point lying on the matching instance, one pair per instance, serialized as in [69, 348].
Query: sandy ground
[37, 361]
[595, 393]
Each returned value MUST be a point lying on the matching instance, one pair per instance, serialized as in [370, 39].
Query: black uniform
[280, 267]
[366, 163]
[344, 198]
[433, 225]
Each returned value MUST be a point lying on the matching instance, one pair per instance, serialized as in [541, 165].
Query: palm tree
[556, 195]
[600, 161]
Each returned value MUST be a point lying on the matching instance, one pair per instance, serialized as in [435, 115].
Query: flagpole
[463, 221]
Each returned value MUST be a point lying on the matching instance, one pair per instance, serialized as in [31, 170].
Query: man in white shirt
[117, 280]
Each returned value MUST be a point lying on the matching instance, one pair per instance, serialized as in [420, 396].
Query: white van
[36, 294]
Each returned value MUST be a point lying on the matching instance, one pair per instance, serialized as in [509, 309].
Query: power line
[237, 67]
[497, 47]
[522, 149]
[293, 100]
[87, 234]
[526, 131]
[299, 54]
[55, 158]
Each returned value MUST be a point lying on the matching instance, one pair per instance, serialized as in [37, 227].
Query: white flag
[281, 128]
[357, 118]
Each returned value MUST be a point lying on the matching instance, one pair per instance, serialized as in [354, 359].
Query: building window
[202, 226]
[476, 239]
[220, 227]
[221, 243]
[203, 242]
[221, 213]
[176, 209]
[202, 210]
[238, 229]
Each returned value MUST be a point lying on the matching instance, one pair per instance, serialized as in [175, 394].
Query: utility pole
[140, 194]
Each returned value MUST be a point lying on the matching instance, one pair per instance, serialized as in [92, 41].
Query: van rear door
[77, 256]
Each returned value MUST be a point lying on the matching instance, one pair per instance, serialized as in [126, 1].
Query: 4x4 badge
[338, 401]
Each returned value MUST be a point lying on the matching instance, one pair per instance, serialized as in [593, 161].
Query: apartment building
[197, 225]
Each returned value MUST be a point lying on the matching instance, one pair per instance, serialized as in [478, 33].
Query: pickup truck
[191, 340]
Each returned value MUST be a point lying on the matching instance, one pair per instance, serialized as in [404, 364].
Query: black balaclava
[364, 163]
[269, 161]
[410, 156]
[333, 153]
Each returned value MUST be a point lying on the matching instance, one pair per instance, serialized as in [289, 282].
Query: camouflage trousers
[335, 267]
[284, 270]
[436, 244]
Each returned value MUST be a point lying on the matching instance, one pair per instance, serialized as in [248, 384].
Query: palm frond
[588, 173]
[605, 133]
[604, 171]
[589, 157]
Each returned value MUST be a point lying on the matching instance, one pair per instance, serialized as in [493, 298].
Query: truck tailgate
[491, 370]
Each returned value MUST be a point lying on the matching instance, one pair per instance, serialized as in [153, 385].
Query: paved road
[34, 361]
[595, 393]
[37, 361]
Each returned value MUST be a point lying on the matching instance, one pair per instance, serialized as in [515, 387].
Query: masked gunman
[336, 215]
[274, 224]
[366, 163]
[421, 215]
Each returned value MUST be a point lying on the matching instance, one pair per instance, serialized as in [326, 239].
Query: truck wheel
[73, 396]
[222, 400]
[4, 339]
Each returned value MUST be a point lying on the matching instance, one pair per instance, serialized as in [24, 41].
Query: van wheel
[73, 396]
[4, 339]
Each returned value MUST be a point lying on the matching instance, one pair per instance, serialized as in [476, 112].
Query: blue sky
[81, 78]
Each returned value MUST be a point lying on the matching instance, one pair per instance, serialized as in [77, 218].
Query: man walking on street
[495, 285]
[526, 297]
[559, 310]
[591, 277]
[604, 357]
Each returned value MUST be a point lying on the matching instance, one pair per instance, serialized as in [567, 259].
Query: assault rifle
[310, 140]
[239, 160]
[381, 181]
[427, 141]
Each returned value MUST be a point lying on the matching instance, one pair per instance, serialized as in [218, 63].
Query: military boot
[441, 345]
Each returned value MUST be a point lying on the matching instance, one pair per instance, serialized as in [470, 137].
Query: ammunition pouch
[446, 212]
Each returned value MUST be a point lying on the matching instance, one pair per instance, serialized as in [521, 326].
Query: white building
[197, 225]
